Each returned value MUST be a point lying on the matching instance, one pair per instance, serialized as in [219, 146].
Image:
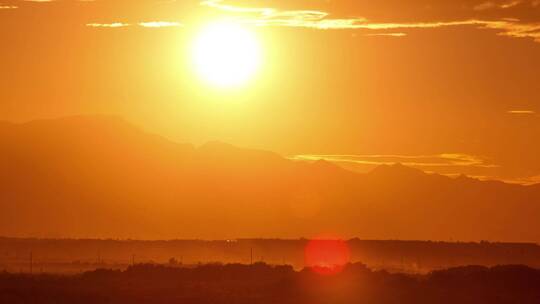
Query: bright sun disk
[226, 54]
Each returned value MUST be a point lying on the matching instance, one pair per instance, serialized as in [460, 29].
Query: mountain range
[102, 177]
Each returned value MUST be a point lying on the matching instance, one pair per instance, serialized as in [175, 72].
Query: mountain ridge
[89, 173]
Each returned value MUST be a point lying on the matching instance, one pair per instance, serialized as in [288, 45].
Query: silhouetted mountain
[396, 171]
[100, 176]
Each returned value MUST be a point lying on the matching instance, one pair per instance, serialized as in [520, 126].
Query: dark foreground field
[261, 283]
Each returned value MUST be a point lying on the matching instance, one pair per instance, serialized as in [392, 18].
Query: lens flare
[327, 256]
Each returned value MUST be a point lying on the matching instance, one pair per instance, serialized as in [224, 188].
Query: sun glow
[226, 54]
[327, 256]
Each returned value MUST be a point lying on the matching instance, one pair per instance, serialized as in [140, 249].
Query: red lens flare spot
[327, 256]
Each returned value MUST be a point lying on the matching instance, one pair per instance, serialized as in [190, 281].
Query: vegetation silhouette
[262, 283]
[76, 255]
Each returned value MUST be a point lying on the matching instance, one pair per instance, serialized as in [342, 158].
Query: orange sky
[446, 86]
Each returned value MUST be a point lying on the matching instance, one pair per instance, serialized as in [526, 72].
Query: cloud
[108, 25]
[230, 8]
[532, 180]
[437, 160]
[521, 112]
[492, 5]
[388, 34]
[514, 29]
[447, 164]
[149, 24]
[507, 27]
[8, 7]
[154, 24]
[296, 18]
[420, 25]
[315, 19]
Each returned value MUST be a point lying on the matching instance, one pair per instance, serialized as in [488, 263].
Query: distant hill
[99, 176]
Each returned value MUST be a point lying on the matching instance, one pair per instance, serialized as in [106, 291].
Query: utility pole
[251, 256]
[31, 262]
[133, 260]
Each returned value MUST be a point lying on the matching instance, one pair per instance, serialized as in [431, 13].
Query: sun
[226, 54]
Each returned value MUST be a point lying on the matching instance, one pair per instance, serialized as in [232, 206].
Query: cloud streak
[388, 34]
[492, 5]
[515, 29]
[320, 20]
[108, 25]
[447, 164]
[437, 160]
[521, 112]
[150, 24]
[154, 24]
[296, 18]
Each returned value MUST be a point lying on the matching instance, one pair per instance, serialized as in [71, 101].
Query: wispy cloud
[265, 16]
[150, 24]
[514, 29]
[438, 160]
[492, 5]
[447, 164]
[8, 7]
[321, 20]
[388, 34]
[230, 8]
[160, 24]
[527, 181]
[108, 25]
[521, 112]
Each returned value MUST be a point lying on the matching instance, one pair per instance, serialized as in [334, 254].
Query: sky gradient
[445, 86]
